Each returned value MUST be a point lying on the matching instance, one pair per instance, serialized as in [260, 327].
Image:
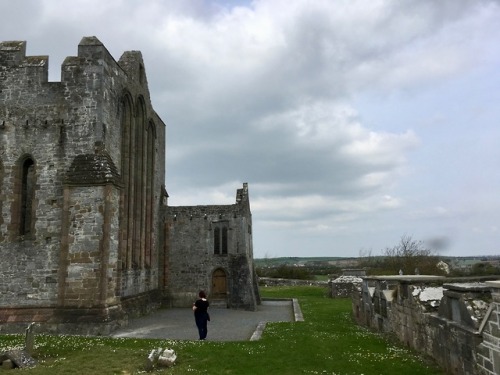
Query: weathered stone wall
[434, 316]
[37, 284]
[30, 126]
[488, 353]
[64, 230]
[345, 285]
[192, 263]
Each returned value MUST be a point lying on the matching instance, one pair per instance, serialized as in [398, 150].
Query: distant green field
[274, 262]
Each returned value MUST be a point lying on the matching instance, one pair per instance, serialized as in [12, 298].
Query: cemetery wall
[455, 322]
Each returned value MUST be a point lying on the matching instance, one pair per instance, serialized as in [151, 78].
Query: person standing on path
[200, 308]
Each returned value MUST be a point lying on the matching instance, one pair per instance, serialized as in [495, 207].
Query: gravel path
[225, 324]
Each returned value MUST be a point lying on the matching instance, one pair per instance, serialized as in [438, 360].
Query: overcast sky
[353, 122]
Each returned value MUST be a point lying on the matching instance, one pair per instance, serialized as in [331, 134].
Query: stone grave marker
[20, 358]
[29, 341]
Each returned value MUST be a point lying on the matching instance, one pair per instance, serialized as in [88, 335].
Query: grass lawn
[327, 342]
[321, 277]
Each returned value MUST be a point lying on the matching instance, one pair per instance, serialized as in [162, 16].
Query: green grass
[327, 342]
[321, 277]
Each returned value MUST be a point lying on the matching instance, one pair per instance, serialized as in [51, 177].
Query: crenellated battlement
[17, 67]
[13, 58]
[75, 111]
[12, 53]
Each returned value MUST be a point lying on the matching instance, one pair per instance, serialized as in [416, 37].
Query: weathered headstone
[29, 342]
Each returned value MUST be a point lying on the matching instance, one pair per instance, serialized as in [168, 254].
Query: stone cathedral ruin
[87, 238]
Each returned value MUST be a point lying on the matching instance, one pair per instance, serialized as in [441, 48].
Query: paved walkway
[224, 325]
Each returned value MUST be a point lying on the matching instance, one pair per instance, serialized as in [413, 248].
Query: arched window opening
[150, 168]
[138, 165]
[27, 195]
[139, 160]
[128, 176]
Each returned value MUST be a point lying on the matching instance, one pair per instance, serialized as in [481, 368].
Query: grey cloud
[273, 159]
[264, 93]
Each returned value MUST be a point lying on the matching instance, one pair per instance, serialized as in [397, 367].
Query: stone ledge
[297, 313]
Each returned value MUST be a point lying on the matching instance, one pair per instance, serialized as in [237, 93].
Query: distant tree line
[482, 268]
[408, 257]
[302, 272]
[285, 272]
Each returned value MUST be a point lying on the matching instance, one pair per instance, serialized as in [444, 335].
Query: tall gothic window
[216, 240]
[138, 165]
[224, 240]
[127, 123]
[220, 238]
[150, 168]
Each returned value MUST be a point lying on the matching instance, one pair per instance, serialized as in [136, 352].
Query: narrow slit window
[224, 240]
[27, 195]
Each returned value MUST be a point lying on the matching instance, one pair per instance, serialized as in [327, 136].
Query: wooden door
[219, 283]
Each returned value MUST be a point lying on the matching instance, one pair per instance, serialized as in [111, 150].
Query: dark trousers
[201, 323]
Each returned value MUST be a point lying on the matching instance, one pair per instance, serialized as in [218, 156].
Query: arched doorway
[219, 284]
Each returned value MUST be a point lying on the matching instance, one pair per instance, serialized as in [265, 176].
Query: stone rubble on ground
[7, 364]
[167, 358]
[16, 358]
[160, 357]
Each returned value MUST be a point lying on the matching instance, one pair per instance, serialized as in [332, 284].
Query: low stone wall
[78, 321]
[344, 286]
[488, 352]
[268, 281]
[456, 322]
[341, 287]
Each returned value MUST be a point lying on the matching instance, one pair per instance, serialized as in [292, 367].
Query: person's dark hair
[202, 294]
